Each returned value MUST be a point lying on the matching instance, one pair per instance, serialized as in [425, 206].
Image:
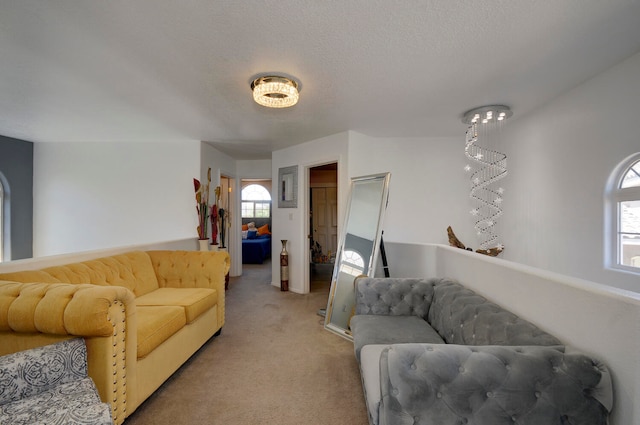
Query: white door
[325, 218]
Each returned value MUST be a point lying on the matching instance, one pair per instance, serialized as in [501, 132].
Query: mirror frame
[375, 251]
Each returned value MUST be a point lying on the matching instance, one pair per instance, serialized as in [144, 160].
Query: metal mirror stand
[358, 248]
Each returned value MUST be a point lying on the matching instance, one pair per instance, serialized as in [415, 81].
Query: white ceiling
[151, 70]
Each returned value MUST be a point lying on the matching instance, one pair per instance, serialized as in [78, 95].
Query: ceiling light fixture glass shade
[487, 114]
[275, 92]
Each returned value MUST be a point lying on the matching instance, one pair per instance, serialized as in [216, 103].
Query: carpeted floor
[273, 364]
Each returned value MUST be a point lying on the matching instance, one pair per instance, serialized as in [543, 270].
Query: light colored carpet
[273, 364]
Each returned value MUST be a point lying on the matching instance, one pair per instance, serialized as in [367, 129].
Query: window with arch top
[256, 202]
[624, 215]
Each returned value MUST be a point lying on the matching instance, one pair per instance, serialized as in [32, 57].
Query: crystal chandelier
[486, 167]
[275, 92]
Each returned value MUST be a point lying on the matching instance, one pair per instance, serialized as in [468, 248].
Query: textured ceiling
[150, 70]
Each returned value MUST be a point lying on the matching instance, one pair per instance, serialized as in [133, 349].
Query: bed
[255, 251]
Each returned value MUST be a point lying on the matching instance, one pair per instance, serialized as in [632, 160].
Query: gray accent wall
[16, 172]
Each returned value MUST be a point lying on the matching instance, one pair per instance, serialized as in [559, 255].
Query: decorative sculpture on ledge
[455, 242]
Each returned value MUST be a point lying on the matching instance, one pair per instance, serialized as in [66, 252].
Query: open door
[228, 227]
[323, 224]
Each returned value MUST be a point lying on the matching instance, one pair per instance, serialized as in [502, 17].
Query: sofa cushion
[195, 301]
[463, 317]
[156, 324]
[455, 384]
[371, 329]
[370, 373]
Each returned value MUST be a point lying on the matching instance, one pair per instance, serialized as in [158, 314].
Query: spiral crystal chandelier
[275, 92]
[486, 168]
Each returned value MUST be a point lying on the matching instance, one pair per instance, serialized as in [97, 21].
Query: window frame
[615, 195]
[255, 202]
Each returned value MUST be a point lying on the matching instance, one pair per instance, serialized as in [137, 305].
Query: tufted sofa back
[394, 297]
[132, 270]
[463, 317]
[187, 269]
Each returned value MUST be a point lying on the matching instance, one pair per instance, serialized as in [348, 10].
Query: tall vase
[284, 266]
[204, 244]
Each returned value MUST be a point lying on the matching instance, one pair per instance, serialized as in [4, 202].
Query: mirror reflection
[358, 248]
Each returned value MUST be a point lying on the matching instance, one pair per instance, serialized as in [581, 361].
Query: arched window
[352, 263]
[256, 202]
[624, 215]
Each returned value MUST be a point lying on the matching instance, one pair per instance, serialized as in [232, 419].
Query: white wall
[222, 164]
[100, 195]
[428, 190]
[292, 223]
[560, 158]
[254, 169]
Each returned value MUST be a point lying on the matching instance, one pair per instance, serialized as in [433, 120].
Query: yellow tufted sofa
[142, 315]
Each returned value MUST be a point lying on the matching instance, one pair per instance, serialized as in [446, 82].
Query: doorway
[228, 230]
[323, 225]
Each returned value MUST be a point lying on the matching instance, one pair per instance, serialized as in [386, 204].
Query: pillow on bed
[264, 230]
[245, 233]
[252, 234]
[245, 227]
[263, 236]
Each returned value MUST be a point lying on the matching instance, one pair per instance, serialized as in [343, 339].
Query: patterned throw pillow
[27, 373]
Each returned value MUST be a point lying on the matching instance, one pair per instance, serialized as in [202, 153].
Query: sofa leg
[217, 333]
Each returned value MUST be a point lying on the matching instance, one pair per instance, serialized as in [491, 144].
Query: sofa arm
[394, 296]
[33, 313]
[451, 384]
[62, 308]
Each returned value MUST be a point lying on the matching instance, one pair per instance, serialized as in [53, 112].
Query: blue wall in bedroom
[16, 166]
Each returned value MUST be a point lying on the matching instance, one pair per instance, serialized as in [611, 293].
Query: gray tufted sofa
[434, 352]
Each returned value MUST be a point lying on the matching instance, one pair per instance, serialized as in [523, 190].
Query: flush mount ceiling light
[275, 92]
[487, 114]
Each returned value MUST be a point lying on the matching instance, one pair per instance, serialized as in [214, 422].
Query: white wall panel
[291, 223]
[560, 159]
[100, 195]
[428, 190]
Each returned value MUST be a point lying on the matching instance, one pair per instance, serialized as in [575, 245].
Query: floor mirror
[358, 248]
